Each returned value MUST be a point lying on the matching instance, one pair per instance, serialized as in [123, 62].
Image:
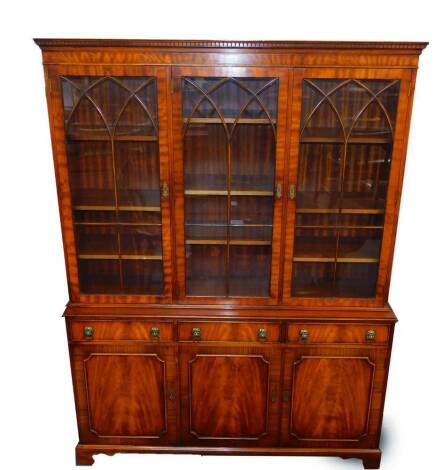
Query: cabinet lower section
[229, 387]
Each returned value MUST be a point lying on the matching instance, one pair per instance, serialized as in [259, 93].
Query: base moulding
[371, 458]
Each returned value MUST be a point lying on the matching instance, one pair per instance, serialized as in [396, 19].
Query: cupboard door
[125, 394]
[230, 396]
[346, 162]
[229, 146]
[113, 173]
[333, 397]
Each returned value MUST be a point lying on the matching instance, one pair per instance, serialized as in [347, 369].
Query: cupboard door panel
[230, 396]
[333, 396]
[125, 394]
[229, 158]
[112, 156]
[346, 160]
[120, 382]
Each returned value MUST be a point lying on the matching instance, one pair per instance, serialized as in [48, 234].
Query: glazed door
[346, 165]
[229, 132]
[333, 396]
[230, 396]
[125, 394]
[110, 133]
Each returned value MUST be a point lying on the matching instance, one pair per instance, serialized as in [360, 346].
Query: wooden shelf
[107, 138]
[339, 140]
[122, 257]
[204, 120]
[127, 224]
[352, 203]
[338, 211]
[223, 192]
[206, 242]
[120, 208]
[231, 242]
[340, 227]
[303, 259]
[211, 225]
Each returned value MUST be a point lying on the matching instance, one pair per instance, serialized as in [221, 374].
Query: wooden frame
[64, 193]
[391, 210]
[177, 73]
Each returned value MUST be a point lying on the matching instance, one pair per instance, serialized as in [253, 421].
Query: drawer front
[229, 331]
[96, 330]
[337, 333]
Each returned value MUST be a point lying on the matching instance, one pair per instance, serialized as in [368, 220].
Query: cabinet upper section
[259, 174]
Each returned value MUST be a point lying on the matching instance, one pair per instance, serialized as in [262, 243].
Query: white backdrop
[37, 419]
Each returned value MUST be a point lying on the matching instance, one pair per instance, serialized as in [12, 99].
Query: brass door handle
[262, 333]
[165, 190]
[171, 394]
[303, 334]
[278, 191]
[292, 191]
[88, 331]
[155, 331]
[371, 334]
[196, 333]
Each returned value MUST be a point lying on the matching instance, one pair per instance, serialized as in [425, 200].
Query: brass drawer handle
[165, 190]
[278, 191]
[155, 331]
[292, 191]
[88, 331]
[371, 334]
[196, 333]
[262, 333]
[171, 394]
[303, 334]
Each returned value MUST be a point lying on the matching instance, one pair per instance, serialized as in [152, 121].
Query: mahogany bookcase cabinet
[229, 211]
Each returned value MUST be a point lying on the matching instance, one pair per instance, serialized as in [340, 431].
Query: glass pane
[137, 240]
[366, 174]
[229, 175]
[205, 160]
[253, 158]
[139, 273]
[313, 279]
[315, 244]
[347, 132]
[137, 169]
[250, 270]
[91, 173]
[91, 239]
[319, 176]
[356, 279]
[99, 276]
[359, 243]
[205, 270]
[111, 130]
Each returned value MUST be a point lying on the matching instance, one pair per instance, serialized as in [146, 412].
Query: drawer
[97, 330]
[337, 333]
[229, 331]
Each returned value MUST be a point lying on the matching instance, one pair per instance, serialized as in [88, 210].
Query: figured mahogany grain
[126, 395]
[118, 330]
[337, 333]
[229, 331]
[331, 397]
